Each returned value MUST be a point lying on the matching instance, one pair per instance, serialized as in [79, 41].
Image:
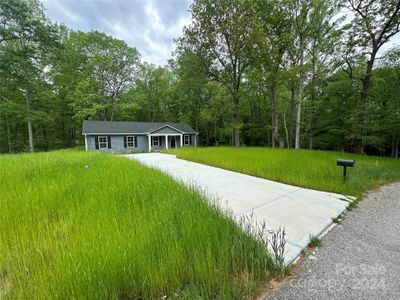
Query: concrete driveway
[359, 259]
[302, 212]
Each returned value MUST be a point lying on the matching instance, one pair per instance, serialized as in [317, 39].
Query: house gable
[166, 130]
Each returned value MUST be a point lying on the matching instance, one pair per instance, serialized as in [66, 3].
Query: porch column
[149, 139]
[86, 146]
[181, 140]
[166, 141]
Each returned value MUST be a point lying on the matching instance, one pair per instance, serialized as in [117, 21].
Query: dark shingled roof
[107, 127]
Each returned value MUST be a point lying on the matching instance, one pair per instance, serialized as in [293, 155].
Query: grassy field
[311, 169]
[91, 226]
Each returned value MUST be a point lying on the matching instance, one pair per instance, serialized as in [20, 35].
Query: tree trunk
[215, 132]
[291, 117]
[364, 97]
[112, 112]
[298, 118]
[27, 99]
[236, 130]
[275, 116]
[28, 109]
[299, 97]
[237, 137]
[286, 130]
[367, 79]
[196, 117]
[313, 121]
[10, 150]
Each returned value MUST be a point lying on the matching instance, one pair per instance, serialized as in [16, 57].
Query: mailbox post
[345, 163]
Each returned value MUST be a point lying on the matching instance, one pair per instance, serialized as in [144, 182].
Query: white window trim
[100, 143]
[155, 139]
[133, 141]
[186, 139]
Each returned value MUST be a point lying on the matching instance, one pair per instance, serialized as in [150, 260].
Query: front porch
[161, 141]
[164, 141]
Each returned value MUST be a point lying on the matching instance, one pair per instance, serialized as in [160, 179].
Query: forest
[312, 74]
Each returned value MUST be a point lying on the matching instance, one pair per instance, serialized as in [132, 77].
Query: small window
[103, 142]
[186, 139]
[155, 141]
[130, 142]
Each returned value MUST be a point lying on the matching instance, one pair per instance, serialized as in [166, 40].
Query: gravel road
[358, 259]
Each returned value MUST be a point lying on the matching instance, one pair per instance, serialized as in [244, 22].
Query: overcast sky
[148, 25]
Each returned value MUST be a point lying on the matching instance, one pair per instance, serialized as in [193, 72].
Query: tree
[374, 23]
[221, 32]
[302, 25]
[273, 43]
[308, 16]
[27, 39]
[115, 66]
[390, 91]
[324, 40]
[334, 130]
[94, 72]
[191, 81]
[152, 90]
[245, 72]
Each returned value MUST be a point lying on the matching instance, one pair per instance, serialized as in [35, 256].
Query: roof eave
[125, 133]
[161, 127]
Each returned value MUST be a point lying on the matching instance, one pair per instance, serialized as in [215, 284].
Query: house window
[103, 142]
[186, 139]
[155, 141]
[130, 142]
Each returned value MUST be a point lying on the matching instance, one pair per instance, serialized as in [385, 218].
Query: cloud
[150, 26]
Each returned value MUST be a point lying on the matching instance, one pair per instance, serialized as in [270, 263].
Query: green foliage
[314, 242]
[85, 225]
[221, 35]
[28, 44]
[254, 69]
[94, 72]
[311, 169]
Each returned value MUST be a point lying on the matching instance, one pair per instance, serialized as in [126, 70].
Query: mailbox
[345, 163]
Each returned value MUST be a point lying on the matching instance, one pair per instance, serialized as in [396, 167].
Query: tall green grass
[92, 226]
[306, 168]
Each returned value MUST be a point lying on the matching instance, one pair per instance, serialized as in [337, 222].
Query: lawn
[93, 226]
[306, 168]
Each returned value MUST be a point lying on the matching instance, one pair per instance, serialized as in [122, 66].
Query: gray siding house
[136, 136]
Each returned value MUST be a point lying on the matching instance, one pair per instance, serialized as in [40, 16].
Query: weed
[337, 220]
[352, 205]
[314, 242]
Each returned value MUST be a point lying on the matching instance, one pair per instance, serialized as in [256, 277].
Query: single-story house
[136, 136]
